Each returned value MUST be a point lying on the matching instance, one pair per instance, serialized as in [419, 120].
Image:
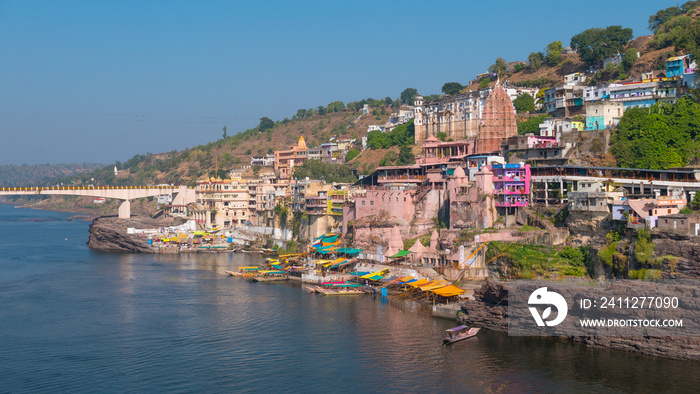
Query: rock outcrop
[489, 309]
[109, 233]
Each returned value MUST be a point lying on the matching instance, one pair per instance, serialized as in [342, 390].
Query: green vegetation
[316, 169]
[402, 135]
[535, 60]
[660, 137]
[352, 153]
[644, 248]
[605, 255]
[408, 95]
[500, 67]
[535, 261]
[644, 274]
[596, 44]
[452, 88]
[524, 103]
[674, 26]
[532, 125]
[554, 52]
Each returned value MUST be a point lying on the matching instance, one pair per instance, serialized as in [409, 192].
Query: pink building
[397, 203]
[435, 151]
[511, 184]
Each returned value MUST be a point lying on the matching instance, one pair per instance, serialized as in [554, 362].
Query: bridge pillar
[125, 209]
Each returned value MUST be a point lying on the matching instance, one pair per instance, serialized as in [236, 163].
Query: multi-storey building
[644, 94]
[222, 202]
[511, 185]
[457, 116]
[286, 160]
[603, 114]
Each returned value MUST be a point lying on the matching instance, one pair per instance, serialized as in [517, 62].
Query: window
[371, 203]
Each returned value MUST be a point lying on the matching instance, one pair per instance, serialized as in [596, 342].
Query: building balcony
[508, 204]
[511, 192]
[503, 178]
[401, 178]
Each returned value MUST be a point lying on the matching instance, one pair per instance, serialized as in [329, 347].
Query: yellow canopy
[340, 260]
[419, 282]
[405, 278]
[448, 291]
[434, 285]
[321, 262]
[382, 272]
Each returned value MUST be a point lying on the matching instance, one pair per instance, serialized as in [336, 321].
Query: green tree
[659, 137]
[553, 55]
[500, 67]
[531, 125]
[224, 129]
[408, 95]
[629, 59]
[316, 169]
[452, 88]
[658, 19]
[524, 103]
[596, 44]
[265, 124]
[301, 112]
[535, 60]
[406, 156]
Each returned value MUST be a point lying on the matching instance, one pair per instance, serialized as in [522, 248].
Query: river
[73, 320]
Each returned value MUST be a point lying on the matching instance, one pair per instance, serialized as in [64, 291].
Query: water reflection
[126, 322]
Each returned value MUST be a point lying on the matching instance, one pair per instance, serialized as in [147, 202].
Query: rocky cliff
[489, 309]
[109, 233]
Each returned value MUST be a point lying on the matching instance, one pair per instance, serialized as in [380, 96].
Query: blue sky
[99, 81]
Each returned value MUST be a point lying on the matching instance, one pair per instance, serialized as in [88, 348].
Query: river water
[73, 320]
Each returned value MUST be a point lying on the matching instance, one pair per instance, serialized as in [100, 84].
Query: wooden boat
[245, 271]
[459, 333]
[310, 289]
[269, 276]
[341, 289]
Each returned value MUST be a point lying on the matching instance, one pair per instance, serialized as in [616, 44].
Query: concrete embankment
[489, 309]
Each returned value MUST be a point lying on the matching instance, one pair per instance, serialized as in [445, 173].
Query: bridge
[182, 195]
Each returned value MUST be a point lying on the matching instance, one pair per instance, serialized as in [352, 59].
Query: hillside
[41, 174]
[186, 166]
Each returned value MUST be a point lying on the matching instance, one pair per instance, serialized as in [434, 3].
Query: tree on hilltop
[535, 60]
[265, 124]
[408, 95]
[452, 88]
[500, 67]
[554, 51]
[658, 19]
[596, 44]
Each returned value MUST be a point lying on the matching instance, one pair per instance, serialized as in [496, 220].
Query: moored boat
[340, 289]
[269, 276]
[459, 333]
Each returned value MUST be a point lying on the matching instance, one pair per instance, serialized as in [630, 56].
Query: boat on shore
[269, 276]
[459, 333]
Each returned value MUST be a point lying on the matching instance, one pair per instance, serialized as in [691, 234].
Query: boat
[269, 276]
[245, 271]
[341, 289]
[459, 333]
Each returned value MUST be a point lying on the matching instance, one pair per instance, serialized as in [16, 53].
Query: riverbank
[489, 309]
